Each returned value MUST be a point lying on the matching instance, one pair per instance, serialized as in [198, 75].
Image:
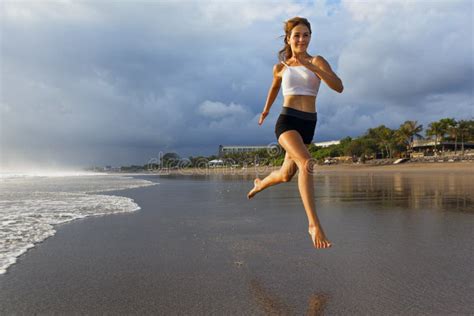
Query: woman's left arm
[323, 70]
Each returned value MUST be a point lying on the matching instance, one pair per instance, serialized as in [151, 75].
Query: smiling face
[299, 39]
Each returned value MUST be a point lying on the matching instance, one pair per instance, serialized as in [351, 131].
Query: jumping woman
[299, 74]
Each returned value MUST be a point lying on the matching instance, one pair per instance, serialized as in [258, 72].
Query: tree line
[378, 142]
[384, 142]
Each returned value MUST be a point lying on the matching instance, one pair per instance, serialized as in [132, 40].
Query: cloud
[65, 11]
[406, 62]
[214, 110]
[401, 60]
[116, 82]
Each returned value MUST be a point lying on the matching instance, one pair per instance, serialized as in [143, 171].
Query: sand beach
[401, 245]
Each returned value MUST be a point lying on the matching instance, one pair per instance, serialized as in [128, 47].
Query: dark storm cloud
[109, 82]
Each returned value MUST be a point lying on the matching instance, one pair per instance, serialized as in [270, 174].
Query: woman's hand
[262, 117]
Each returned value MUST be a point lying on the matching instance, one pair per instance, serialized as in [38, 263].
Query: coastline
[465, 167]
[212, 251]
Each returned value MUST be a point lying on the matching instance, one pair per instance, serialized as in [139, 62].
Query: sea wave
[31, 205]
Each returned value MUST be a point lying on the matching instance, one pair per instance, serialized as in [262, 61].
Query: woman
[300, 75]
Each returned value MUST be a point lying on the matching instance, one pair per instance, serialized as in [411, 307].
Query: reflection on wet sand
[440, 191]
[273, 305]
[444, 190]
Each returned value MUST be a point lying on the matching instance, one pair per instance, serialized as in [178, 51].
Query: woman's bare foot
[318, 238]
[255, 189]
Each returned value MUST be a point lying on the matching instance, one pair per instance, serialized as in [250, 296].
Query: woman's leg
[293, 144]
[286, 172]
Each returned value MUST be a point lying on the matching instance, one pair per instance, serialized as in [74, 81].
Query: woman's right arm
[272, 93]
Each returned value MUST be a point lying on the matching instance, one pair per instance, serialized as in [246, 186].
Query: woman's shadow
[273, 305]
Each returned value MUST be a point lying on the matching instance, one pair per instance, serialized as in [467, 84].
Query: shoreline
[465, 167]
[212, 251]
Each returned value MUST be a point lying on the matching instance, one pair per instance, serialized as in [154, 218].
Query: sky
[117, 83]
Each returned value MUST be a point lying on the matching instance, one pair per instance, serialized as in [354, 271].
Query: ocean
[32, 204]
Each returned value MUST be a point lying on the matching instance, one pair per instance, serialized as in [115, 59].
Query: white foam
[30, 206]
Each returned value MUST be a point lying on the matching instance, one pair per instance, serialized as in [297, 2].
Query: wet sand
[402, 245]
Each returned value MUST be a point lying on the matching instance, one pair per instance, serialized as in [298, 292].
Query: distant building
[328, 143]
[215, 163]
[427, 146]
[238, 149]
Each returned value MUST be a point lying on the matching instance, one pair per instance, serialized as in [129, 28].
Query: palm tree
[386, 138]
[453, 131]
[383, 137]
[437, 130]
[465, 131]
[361, 147]
[408, 131]
[447, 124]
[400, 140]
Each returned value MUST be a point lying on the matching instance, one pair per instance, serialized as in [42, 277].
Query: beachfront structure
[238, 149]
[426, 147]
[215, 163]
[328, 143]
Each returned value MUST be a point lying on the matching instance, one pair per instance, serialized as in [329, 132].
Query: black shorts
[303, 122]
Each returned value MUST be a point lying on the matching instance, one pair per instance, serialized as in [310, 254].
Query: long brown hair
[286, 52]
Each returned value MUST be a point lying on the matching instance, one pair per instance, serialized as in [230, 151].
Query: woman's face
[299, 38]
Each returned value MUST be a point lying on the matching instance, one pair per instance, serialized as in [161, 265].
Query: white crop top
[299, 80]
